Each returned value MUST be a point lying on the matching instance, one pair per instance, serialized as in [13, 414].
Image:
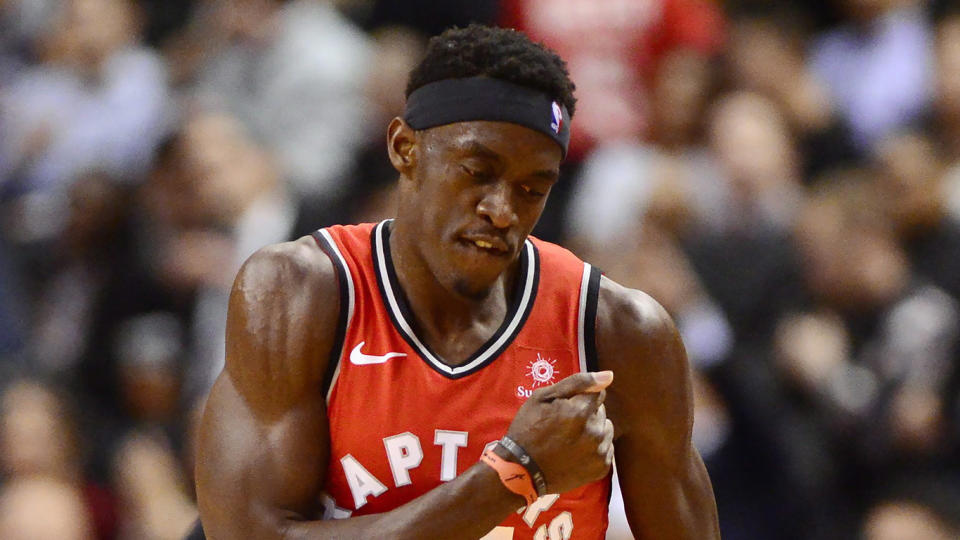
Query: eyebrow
[546, 174]
[484, 151]
[478, 148]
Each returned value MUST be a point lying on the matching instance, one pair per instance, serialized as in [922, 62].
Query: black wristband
[528, 463]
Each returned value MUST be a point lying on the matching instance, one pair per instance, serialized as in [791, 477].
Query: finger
[605, 448]
[578, 383]
[595, 428]
[606, 434]
[588, 404]
[596, 410]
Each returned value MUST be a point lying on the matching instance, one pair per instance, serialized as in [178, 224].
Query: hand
[196, 258]
[811, 347]
[565, 429]
[916, 419]
[660, 268]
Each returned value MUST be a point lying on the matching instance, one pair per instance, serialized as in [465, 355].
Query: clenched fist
[565, 429]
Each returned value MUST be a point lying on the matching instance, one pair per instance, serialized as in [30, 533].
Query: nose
[497, 207]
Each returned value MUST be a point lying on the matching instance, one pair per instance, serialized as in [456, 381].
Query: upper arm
[263, 441]
[666, 490]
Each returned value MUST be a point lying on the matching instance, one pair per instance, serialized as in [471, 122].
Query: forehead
[512, 143]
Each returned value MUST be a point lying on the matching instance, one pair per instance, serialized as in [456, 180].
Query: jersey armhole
[345, 286]
[587, 319]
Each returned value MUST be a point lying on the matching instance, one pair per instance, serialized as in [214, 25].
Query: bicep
[254, 473]
[666, 490]
[263, 441]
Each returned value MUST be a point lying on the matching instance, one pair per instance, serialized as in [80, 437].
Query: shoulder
[297, 264]
[282, 318]
[632, 317]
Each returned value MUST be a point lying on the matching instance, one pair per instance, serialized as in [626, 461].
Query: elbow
[224, 524]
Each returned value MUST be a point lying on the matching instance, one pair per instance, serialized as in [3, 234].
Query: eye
[532, 192]
[479, 174]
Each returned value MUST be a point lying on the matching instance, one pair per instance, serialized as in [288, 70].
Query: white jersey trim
[394, 307]
[581, 317]
[351, 300]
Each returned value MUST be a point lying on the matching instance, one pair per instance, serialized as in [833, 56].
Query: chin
[473, 291]
[472, 279]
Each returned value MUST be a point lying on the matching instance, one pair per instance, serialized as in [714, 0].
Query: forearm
[467, 507]
[701, 505]
[670, 506]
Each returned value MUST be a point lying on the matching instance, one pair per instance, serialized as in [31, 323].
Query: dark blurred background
[784, 176]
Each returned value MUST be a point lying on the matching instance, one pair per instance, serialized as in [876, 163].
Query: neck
[450, 323]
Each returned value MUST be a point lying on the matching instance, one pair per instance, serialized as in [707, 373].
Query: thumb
[578, 383]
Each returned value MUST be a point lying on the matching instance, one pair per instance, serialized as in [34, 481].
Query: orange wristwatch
[513, 475]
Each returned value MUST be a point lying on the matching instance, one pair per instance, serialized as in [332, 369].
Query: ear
[401, 145]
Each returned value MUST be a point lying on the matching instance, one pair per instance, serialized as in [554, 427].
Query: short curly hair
[500, 53]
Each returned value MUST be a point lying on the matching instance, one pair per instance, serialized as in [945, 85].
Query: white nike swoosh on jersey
[359, 359]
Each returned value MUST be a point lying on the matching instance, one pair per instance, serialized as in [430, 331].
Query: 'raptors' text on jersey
[402, 421]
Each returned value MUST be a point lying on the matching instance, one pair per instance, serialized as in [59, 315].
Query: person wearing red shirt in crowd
[612, 48]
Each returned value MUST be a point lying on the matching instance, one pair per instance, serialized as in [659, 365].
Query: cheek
[439, 206]
[449, 197]
[530, 212]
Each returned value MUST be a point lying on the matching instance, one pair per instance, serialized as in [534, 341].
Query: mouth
[490, 245]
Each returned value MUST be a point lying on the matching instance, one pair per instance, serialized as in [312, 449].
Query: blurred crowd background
[784, 176]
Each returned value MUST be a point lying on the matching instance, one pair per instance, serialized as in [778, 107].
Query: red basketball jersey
[402, 422]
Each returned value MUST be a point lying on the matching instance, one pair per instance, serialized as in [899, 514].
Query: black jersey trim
[590, 319]
[524, 295]
[345, 286]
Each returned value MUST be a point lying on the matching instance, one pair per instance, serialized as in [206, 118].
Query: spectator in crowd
[152, 491]
[132, 316]
[868, 360]
[620, 180]
[945, 113]
[36, 436]
[909, 175]
[740, 253]
[920, 508]
[164, 20]
[765, 54]
[43, 509]
[213, 198]
[396, 50]
[41, 462]
[425, 16]
[85, 258]
[613, 50]
[904, 519]
[293, 73]
[98, 100]
[12, 314]
[149, 349]
[877, 66]
[739, 250]
[21, 22]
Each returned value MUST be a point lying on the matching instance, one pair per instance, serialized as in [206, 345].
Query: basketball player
[443, 374]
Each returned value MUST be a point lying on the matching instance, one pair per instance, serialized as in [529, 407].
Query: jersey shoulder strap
[348, 247]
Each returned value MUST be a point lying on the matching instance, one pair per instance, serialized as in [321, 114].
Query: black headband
[483, 98]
